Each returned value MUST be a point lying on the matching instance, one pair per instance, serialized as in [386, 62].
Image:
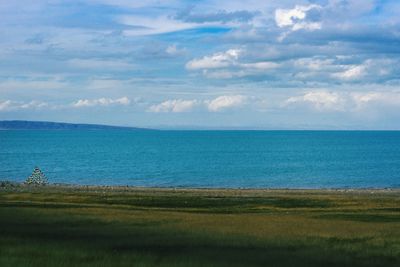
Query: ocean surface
[232, 159]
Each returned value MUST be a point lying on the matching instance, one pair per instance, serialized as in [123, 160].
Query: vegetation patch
[372, 218]
[56, 226]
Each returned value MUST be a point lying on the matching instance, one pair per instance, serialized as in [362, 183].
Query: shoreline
[4, 185]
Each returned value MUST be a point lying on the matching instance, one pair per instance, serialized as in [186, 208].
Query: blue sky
[328, 64]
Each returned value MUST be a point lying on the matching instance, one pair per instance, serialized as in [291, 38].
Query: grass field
[99, 226]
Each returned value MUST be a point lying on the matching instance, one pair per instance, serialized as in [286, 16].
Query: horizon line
[194, 127]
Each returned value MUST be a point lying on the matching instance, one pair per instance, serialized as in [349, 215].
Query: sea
[205, 159]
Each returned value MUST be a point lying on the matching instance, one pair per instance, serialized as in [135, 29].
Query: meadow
[124, 226]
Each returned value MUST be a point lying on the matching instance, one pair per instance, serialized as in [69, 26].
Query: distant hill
[47, 125]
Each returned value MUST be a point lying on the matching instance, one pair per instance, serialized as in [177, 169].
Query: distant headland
[49, 125]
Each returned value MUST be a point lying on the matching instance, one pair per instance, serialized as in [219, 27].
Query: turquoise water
[250, 159]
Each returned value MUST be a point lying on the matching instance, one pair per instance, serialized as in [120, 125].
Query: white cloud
[173, 50]
[313, 64]
[310, 26]
[229, 65]
[9, 105]
[217, 60]
[326, 69]
[352, 102]
[370, 68]
[247, 69]
[124, 101]
[34, 104]
[364, 100]
[267, 65]
[224, 74]
[352, 73]
[296, 18]
[5, 105]
[320, 100]
[225, 102]
[213, 105]
[175, 105]
[243, 62]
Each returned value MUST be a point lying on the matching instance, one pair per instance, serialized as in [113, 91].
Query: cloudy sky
[287, 64]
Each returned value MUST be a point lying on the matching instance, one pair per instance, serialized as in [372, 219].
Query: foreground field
[98, 226]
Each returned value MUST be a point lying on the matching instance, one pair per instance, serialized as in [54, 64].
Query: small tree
[37, 178]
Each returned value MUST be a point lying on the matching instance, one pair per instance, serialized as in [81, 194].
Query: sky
[228, 64]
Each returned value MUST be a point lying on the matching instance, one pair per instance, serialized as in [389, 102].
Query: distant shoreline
[49, 125]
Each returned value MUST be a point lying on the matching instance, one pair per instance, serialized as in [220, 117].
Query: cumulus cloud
[247, 62]
[124, 101]
[224, 74]
[348, 101]
[314, 64]
[346, 69]
[226, 102]
[368, 70]
[217, 60]
[9, 105]
[5, 105]
[173, 50]
[366, 99]
[34, 104]
[175, 106]
[228, 64]
[353, 72]
[217, 104]
[266, 65]
[295, 18]
[320, 100]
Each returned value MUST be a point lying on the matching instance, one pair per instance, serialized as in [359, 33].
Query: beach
[64, 225]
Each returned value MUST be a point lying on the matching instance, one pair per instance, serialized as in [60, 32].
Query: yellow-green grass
[120, 226]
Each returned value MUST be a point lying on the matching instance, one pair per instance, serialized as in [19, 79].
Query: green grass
[79, 226]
